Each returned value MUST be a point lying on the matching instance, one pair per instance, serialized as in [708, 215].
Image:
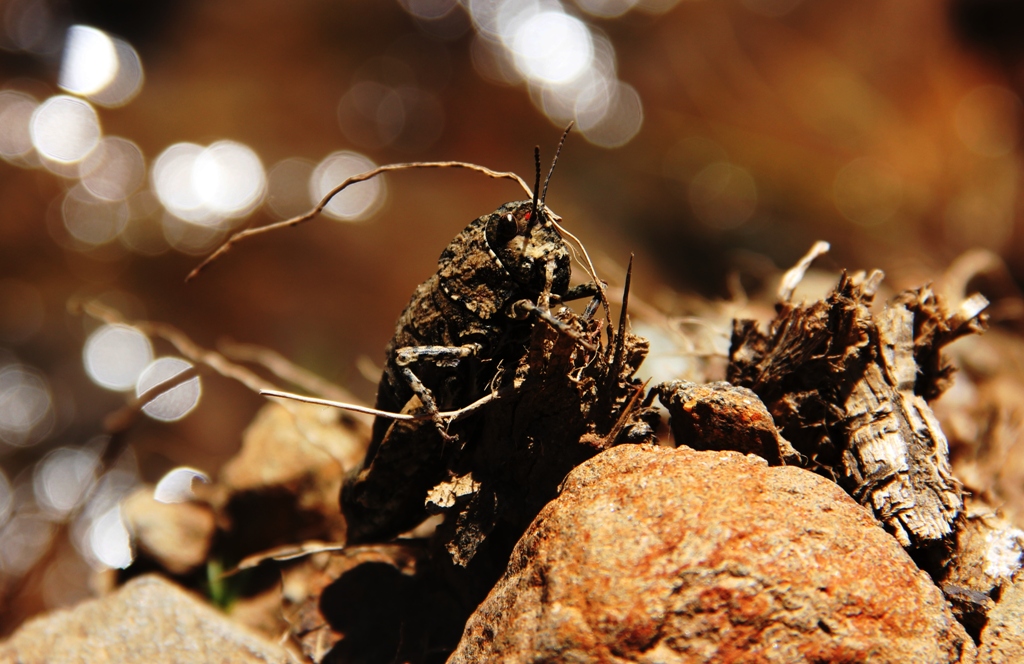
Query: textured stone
[282, 486]
[176, 535]
[148, 620]
[1002, 640]
[720, 416]
[658, 555]
[986, 555]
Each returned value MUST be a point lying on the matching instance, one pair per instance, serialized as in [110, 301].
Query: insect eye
[507, 227]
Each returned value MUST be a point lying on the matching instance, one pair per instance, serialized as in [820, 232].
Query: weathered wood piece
[850, 390]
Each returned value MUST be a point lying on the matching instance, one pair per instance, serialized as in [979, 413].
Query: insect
[471, 335]
[462, 326]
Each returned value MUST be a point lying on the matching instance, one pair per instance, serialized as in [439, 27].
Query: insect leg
[580, 291]
[522, 308]
[427, 397]
[590, 289]
[444, 356]
[592, 306]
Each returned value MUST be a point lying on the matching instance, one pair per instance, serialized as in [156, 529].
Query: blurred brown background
[715, 138]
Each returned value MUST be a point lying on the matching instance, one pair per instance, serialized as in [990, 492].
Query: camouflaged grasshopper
[464, 326]
[470, 319]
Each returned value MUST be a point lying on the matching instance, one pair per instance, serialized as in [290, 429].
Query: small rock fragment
[148, 620]
[1002, 640]
[987, 554]
[283, 484]
[654, 555]
[286, 447]
[176, 535]
[720, 416]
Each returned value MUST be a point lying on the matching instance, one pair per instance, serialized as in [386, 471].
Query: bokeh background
[714, 139]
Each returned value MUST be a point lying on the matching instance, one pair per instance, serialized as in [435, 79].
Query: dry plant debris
[850, 389]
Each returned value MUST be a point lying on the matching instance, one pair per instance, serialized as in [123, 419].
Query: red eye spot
[528, 215]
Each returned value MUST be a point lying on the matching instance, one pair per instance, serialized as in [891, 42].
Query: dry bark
[850, 390]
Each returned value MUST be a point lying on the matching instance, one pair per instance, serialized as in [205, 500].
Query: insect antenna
[547, 180]
[361, 177]
[536, 183]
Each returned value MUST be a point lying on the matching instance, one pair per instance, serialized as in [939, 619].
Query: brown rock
[293, 447]
[282, 486]
[176, 535]
[148, 620]
[658, 555]
[987, 554]
[1002, 640]
[720, 416]
[988, 550]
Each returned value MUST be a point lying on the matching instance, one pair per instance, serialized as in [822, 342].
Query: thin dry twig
[450, 415]
[284, 369]
[794, 275]
[188, 348]
[197, 354]
[312, 214]
[1009, 300]
[294, 551]
[123, 418]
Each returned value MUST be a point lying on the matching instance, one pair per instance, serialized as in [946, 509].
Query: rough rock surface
[307, 443]
[282, 486]
[1002, 640]
[148, 620]
[659, 555]
[987, 555]
[720, 416]
[176, 535]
